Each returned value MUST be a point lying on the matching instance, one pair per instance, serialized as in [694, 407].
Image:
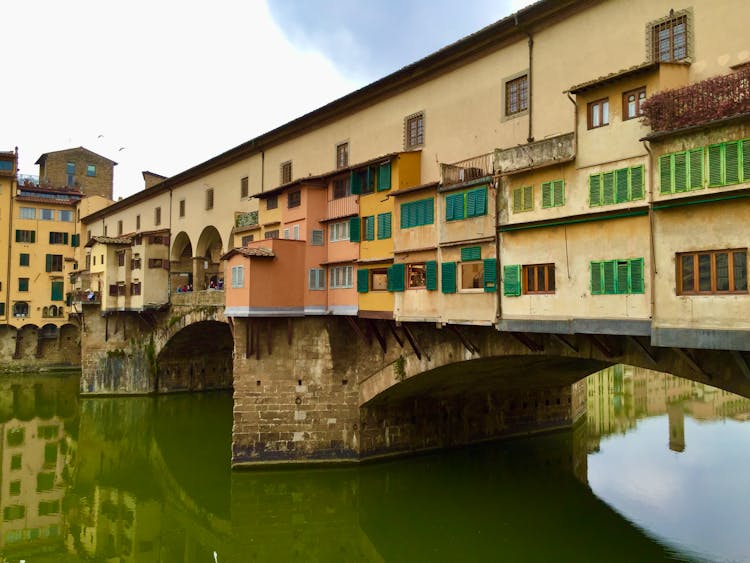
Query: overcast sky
[163, 85]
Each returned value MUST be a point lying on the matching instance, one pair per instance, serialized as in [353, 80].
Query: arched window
[52, 311]
[21, 309]
[45, 312]
[60, 311]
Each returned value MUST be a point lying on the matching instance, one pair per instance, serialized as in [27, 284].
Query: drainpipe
[651, 227]
[575, 122]
[262, 170]
[530, 138]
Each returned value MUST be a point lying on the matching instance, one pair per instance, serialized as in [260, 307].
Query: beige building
[80, 168]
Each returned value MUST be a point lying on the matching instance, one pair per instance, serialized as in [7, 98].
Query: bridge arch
[208, 251]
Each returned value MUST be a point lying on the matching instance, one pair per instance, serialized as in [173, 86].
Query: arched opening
[197, 358]
[208, 272]
[20, 309]
[181, 273]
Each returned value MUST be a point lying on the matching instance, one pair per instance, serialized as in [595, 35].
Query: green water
[657, 471]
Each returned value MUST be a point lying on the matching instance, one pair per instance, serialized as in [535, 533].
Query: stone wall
[55, 171]
[23, 350]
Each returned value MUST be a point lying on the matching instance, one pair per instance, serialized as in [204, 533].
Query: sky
[163, 85]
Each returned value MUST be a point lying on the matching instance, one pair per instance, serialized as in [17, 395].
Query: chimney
[150, 179]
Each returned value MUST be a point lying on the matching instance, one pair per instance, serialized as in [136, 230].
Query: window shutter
[746, 160]
[512, 280]
[448, 276]
[429, 211]
[731, 163]
[547, 194]
[384, 226]
[430, 268]
[363, 281]
[369, 227]
[636, 182]
[354, 229]
[609, 276]
[18, 235]
[490, 275]
[518, 202]
[355, 181]
[621, 185]
[396, 277]
[481, 201]
[680, 172]
[595, 190]
[51, 237]
[454, 207]
[57, 291]
[65, 238]
[715, 177]
[636, 275]
[623, 277]
[470, 253]
[471, 203]
[384, 177]
[528, 198]
[696, 168]
[75, 241]
[608, 188]
[48, 262]
[33, 236]
[665, 174]
[596, 278]
[558, 192]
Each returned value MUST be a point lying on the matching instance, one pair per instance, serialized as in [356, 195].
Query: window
[48, 507]
[135, 262]
[295, 232]
[294, 199]
[105, 230]
[316, 238]
[669, 39]
[272, 234]
[24, 260]
[119, 227]
[14, 512]
[463, 205]
[472, 274]
[539, 278]
[517, 95]
[416, 276]
[91, 170]
[378, 279]
[53, 263]
[598, 113]
[244, 187]
[209, 198]
[316, 279]
[286, 233]
[272, 202]
[339, 231]
[341, 188]
[417, 213]
[712, 271]
[342, 155]
[631, 103]
[137, 224]
[23, 284]
[47, 214]
[182, 208]
[45, 481]
[121, 258]
[135, 288]
[414, 130]
[617, 186]
[155, 263]
[523, 199]
[64, 215]
[16, 461]
[728, 164]
[341, 277]
[70, 168]
[368, 227]
[617, 276]
[28, 213]
[286, 172]
[247, 239]
[2, 314]
[157, 216]
[21, 309]
[553, 193]
[363, 180]
[25, 236]
[238, 276]
[384, 226]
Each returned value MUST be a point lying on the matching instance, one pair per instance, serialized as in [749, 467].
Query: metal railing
[83, 296]
[468, 169]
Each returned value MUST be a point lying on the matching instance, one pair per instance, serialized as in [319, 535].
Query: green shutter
[384, 177]
[355, 182]
[636, 182]
[528, 198]
[731, 163]
[621, 185]
[384, 226]
[57, 291]
[622, 283]
[354, 229]
[680, 172]
[596, 278]
[51, 237]
[696, 168]
[429, 211]
[470, 253]
[33, 236]
[490, 275]
[65, 238]
[471, 203]
[448, 276]
[75, 241]
[369, 224]
[512, 280]
[558, 192]
[18, 235]
[665, 174]
[547, 194]
[595, 190]
[363, 281]
[746, 160]
[396, 277]
[454, 207]
[48, 262]
[609, 284]
[715, 175]
[517, 200]
[608, 188]
[2, 308]
[430, 268]
[480, 200]
[636, 276]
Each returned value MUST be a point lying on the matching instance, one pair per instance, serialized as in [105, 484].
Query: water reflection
[148, 479]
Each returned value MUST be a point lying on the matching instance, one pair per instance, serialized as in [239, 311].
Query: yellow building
[8, 167]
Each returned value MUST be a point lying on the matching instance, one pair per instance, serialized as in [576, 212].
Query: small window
[20, 309]
[238, 276]
[669, 39]
[295, 232]
[135, 288]
[712, 272]
[368, 227]
[28, 213]
[472, 276]
[416, 276]
[23, 284]
[157, 216]
[70, 167]
[58, 238]
[64, 215]
[539, 278]
[244, 187]
[316, 279]
[341, 188]
[598, 113]
[272, 202]
[631, 103]
[54, 263]
[105, 230]
[342, 155]
[379, 279]
[137, 224]
[25, 236]
[286, 172]
[286, 233]
[119, 227]
[24, 260]
[272, 234]
[517, 95]
[121, 258]
[182, 208]
[209, 198]
[339, 231]
[341, 277]
[91, 170]
[247, 239]
[316, 238]
[523, 199]
[47, 214]
[414, 130]
[294, 199]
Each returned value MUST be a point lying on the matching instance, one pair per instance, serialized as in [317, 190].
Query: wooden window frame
[549, 274]
[413, 275]
[378, 272]
[157, 216]
[640, 97]
[414, 130]
[670, 24]
[294, 199]
[285, 172]
[460, 277]
[680, 288]
[209, 199]
[517, 95]
[342, 155]
[272, 202]
[596, 108]
[182, 208]
[244, 187]
[341, 187]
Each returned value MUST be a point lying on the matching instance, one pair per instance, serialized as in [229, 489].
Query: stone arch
[180, 245]
[208, 253]
[181, 263]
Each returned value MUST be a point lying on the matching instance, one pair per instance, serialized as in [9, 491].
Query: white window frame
[44, 212]
[238, 277]
[460, 280]
[295, 232]
[65, 215]
[27, 213]
[286, 233]
[316, 279]
[341, 277]
[339, 231]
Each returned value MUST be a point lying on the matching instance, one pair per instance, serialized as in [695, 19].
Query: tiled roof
[624, 73]
[253, 252]
[109, 240]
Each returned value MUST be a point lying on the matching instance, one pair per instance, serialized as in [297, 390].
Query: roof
[44, 156]
[249, 252]
[47, 200]
[612, 77]
[154, 174]
[487, 39]
[110, 240]
[404, 191]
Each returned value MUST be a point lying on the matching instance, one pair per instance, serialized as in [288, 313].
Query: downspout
[262, 170]
[651, 229]
[530, 138]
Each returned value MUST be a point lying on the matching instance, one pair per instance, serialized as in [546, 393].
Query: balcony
[342, 207]
[86, 297]
[716, 98]
[560, 148]
[467, 170]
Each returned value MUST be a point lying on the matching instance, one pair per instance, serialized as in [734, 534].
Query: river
[658, 470]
